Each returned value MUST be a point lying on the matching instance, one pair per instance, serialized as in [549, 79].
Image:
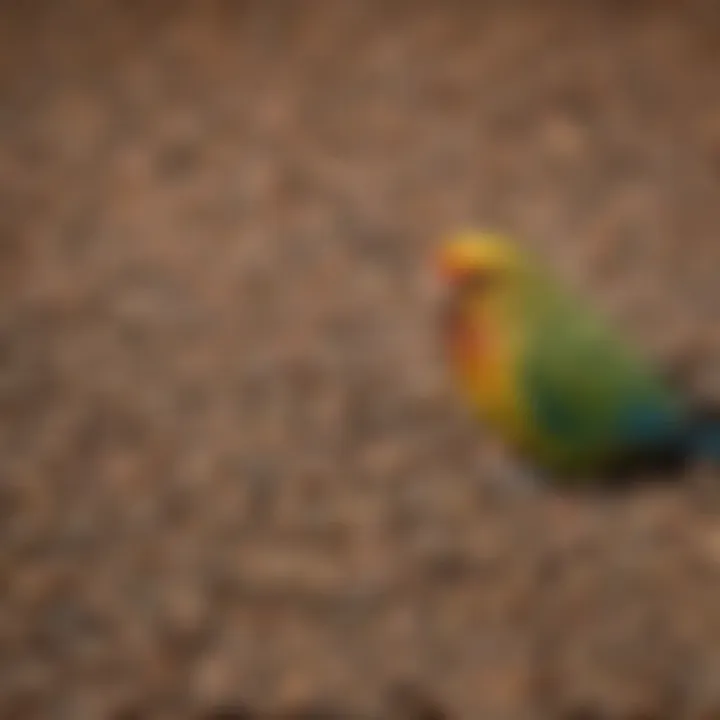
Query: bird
[557, 383]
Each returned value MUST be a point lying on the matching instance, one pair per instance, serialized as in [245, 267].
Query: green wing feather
[589, 398]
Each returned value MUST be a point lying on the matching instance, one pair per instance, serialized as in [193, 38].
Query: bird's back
[588, 397]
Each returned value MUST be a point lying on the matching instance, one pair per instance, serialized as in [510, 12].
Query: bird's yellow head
[477, 258]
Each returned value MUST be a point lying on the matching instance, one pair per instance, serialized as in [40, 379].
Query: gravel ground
[234, 479]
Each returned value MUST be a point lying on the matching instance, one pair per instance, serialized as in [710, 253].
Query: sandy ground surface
[234, 480]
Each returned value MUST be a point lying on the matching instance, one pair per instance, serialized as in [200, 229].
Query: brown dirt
[232, 473]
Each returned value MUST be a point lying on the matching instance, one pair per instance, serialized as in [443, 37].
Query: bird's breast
[483, 369]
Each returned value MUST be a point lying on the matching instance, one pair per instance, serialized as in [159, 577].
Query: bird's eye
[481, 280]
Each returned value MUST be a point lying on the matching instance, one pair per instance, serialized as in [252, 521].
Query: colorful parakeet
[541, 368]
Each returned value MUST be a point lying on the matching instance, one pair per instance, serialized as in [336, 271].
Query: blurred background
[233, 479]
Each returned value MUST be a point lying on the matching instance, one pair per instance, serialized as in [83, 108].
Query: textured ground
[232, 473]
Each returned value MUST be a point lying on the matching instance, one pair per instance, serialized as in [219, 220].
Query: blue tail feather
[704, 436]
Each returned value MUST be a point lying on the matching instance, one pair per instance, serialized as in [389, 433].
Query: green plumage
[590, 399]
